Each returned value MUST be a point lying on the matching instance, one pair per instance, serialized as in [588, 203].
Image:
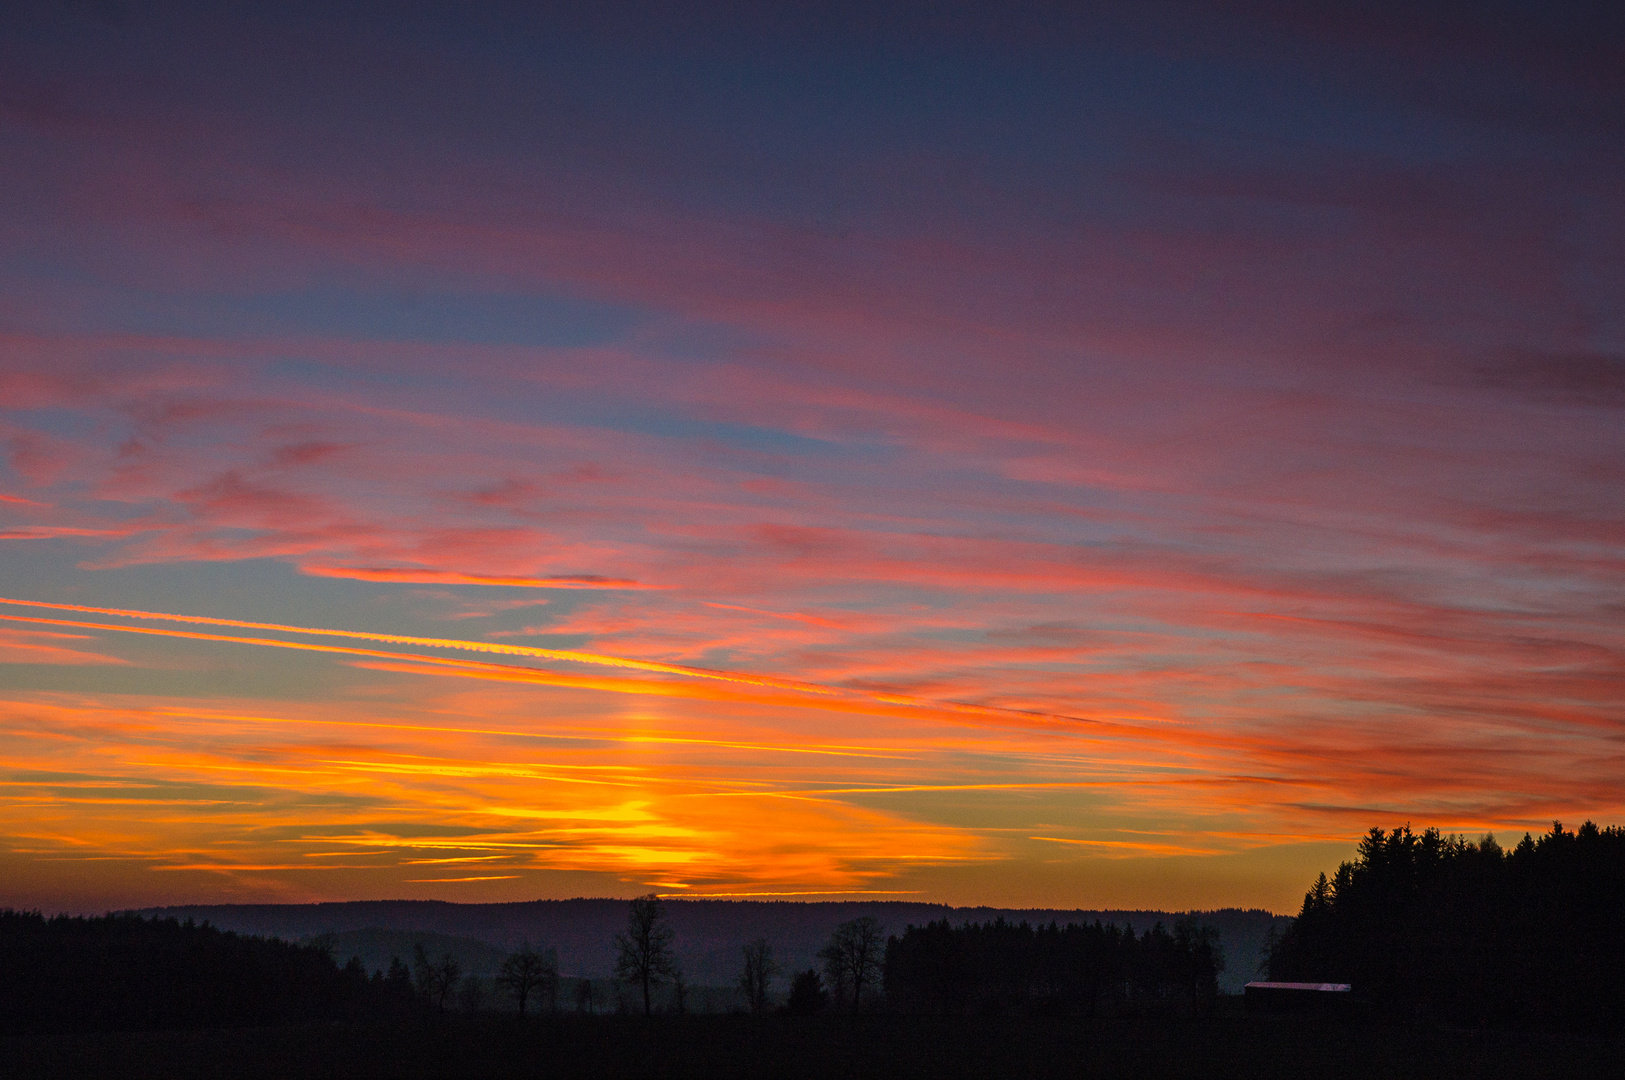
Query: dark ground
[882, 1046]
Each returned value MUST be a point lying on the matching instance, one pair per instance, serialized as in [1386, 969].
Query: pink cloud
[1261, 460]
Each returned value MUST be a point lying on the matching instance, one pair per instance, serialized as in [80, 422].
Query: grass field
[879, 1046]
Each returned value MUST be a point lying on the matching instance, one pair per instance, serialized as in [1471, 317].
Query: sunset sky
[1103, 455]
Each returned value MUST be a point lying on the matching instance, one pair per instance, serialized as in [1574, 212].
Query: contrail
[598, 659]
[870, 705]
[434, 577]
[828, 693]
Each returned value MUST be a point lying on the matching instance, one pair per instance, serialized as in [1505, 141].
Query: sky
[1083, 455]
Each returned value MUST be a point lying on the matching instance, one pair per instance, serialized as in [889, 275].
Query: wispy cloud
[1152, 443]
[475, 669]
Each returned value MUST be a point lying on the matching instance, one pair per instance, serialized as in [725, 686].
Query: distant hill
[709, 932]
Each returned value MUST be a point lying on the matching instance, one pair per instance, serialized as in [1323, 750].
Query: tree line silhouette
[1426, 925]
[1001, 967]
[1421, 924]
[123, 971]
[982, 968]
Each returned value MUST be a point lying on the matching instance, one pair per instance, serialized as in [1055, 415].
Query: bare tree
[584, 996]
[526, 972]
[447, 972]
[852, 957]
[679, 993]
[757, 978]
[435, 979]
[471, 996]
[645, 958]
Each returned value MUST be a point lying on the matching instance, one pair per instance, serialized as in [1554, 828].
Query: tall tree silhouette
[526, 972]
[435, 979]
[398, 982]
[644, 952]
[756, 980]
[1200, 961]
[852, 958]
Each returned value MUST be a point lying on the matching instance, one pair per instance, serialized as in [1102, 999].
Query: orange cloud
[43, 647]
[250, 798]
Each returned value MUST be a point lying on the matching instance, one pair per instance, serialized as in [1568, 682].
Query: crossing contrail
[838, 698]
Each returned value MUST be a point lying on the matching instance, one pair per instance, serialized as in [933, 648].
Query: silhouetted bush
[123, 971]
[1431, 925]
[998, 967]
[807, 994]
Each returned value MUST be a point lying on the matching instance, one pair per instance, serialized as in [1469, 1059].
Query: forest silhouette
[1427, 925]
[1437, 934]
[1000, 967]
[123, 972]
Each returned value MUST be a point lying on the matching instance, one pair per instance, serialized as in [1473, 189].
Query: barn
[1278, 997]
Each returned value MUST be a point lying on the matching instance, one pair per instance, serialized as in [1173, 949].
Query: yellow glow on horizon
[709, 786]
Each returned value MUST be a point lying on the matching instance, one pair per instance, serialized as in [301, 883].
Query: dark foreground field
[882, 1046]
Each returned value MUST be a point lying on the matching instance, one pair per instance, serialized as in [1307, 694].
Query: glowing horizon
[1100, 459]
